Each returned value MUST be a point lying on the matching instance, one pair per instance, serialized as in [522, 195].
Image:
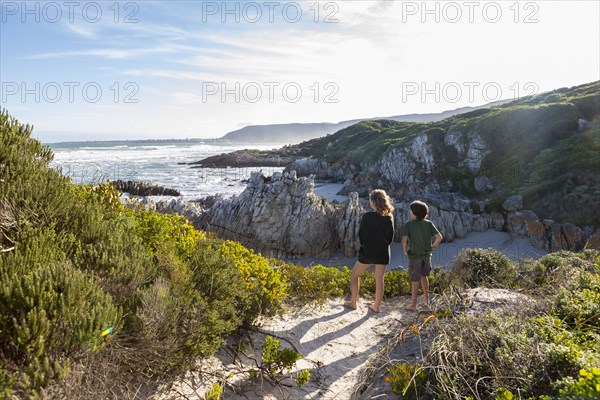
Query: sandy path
[336, 344]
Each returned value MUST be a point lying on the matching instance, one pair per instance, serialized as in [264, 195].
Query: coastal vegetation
[545, 348]
[98, 299]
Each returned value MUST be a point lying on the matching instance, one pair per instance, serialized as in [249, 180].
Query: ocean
[160, 162]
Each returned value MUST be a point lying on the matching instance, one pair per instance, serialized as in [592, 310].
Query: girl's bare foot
[411, 308]
[375, 310]
[349, 304]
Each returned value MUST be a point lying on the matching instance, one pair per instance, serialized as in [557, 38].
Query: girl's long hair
[382, 202]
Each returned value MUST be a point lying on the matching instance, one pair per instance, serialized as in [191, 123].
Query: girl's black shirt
[376, 233]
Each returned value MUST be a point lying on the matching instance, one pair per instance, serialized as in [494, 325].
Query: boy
[418, 232]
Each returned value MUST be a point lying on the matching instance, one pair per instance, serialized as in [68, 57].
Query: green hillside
[537, 149]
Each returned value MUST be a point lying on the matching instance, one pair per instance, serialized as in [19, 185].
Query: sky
[107, 70]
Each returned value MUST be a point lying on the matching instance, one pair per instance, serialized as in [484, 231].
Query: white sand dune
[336, 344]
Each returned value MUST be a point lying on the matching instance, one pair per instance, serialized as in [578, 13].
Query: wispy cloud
[103, 53]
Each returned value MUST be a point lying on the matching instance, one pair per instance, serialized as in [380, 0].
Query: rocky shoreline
[246, 158]
[139, 188]
[281, 216]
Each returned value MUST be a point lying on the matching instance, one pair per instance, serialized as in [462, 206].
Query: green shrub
[579, 304]
[307, 284]
[51, 314]
[224, 296]
[318, 283]
[479, 267]
[267, 286]
[160, 230]
[396, 283]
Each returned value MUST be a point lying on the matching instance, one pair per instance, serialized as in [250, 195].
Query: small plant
[407, 381]
[504, 394]
[587, 387]
[215, 393]
[275, 362]
[302, 377]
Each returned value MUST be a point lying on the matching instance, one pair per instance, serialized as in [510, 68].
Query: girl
[375, 233]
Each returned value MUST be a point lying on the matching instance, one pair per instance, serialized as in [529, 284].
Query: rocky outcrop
[408, 167]
[246, 158]
[551, 236]
[593, 241]
[139, 188]
[349, 224]
[476, 152]
[513, 203]
[279, 216]
[322, 170]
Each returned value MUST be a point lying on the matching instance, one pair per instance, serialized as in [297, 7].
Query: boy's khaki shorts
[418, 268]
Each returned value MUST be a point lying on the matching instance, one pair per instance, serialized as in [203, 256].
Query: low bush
[479, 267]
[51, 314]
[534, 351]
[407, 381]
[267, 286]
[307, 284]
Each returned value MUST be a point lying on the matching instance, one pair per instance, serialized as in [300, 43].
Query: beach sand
[514, 248]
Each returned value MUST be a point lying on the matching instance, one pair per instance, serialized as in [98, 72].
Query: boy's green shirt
[419, 235]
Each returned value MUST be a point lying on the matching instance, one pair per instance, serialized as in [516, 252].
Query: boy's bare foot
[424, 305]
[349, 305]
[375, 310]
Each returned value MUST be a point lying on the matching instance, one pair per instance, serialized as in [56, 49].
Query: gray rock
[278, 218]
[513, 203]
[497, 221]
[476, 152]
[349, 224]
[483, 184]
[480, 223]
[517, 222]
[453, 139]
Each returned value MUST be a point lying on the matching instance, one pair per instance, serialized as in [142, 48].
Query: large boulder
[593, 242]
[349, 224]
[513, 203]
[279, 216]
[516, 222]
